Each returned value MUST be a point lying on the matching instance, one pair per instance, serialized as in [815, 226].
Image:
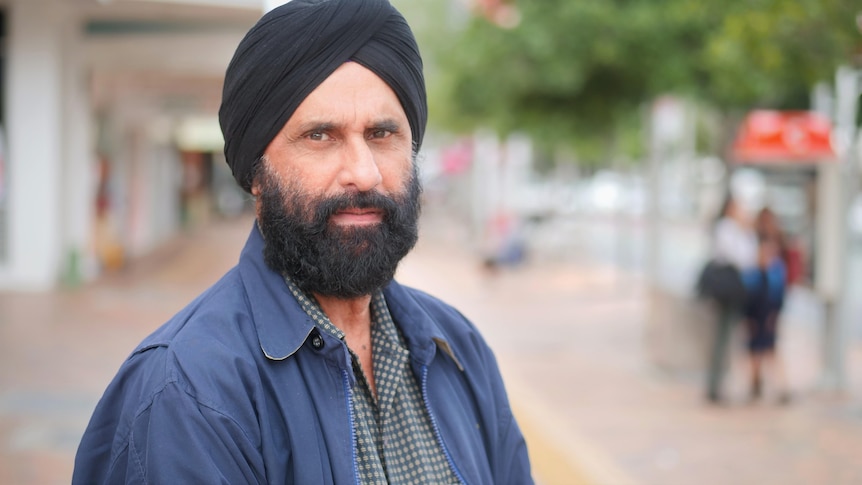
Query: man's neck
[352, 315]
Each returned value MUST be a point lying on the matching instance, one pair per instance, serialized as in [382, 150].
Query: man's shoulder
[212, 334]
[199, 363]
[217, 313]
[208, 353]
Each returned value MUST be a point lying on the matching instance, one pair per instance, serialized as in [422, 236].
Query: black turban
[294, 48]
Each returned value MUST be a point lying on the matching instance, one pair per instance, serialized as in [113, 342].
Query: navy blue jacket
[239, 388]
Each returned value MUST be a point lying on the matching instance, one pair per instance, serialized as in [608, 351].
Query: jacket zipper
[437, 428]
[348, 392]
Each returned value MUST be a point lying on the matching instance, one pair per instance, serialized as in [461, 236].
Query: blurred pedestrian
[767, 284]
[734, 251]
[504, 244]
[768, 226]
[307, 363]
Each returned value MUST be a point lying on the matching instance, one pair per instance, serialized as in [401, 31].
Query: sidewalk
[569, 336]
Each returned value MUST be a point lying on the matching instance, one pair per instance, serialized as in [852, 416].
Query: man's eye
[318, 136]
[380, 133]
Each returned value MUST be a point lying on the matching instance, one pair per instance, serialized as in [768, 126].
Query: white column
[79, 168]
[271, 4]
[34, 109]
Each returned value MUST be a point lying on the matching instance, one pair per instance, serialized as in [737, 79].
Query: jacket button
[316, 341]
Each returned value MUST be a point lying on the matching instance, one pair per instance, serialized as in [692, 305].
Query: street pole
[667, 129]
[652, 264]
[848, 88]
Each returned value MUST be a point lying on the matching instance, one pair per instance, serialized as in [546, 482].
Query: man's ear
[255, 192]
[256, 176]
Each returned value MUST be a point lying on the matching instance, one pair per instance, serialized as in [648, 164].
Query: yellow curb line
[557, 456]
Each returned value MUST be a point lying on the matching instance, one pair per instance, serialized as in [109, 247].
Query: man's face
[337, 193]
[349, 135]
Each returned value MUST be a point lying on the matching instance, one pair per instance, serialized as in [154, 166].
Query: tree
[577, 73]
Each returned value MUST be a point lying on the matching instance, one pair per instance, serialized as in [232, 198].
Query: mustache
[356, 200]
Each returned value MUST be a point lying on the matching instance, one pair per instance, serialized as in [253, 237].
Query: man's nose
[359, 168]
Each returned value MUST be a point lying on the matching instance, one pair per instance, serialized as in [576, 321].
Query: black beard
[322, 258]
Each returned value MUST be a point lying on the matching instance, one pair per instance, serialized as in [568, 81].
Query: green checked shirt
[395, 440]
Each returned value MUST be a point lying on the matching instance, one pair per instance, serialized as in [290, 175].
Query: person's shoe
[756, 390]
[715, 398]
[785, 398]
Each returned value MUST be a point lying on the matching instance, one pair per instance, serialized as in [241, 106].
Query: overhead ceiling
[168, 54]
[241, 11]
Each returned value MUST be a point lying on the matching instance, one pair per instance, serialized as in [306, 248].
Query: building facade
[108, 130]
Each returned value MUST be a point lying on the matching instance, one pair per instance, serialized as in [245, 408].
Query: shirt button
[316, 341]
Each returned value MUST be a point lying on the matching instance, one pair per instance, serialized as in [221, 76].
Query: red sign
[783, 136]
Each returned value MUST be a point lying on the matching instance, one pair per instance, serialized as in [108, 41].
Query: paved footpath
[569, 336]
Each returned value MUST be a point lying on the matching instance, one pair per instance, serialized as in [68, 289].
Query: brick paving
[571, 337]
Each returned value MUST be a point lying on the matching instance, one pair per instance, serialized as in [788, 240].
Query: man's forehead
[352, 90]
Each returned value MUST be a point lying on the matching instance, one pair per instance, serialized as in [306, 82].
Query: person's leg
[756, 359]
[773, 363]
[758, 346]
[774, 367]
[784, 393]
[718, 356]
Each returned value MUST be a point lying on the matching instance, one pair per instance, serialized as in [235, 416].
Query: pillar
[34, 114]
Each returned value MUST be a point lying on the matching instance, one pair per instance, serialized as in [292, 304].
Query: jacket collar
[419, 328]
[282, 325]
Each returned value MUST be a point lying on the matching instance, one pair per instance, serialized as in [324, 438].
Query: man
[307, 363]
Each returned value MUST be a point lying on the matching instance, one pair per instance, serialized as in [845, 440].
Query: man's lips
[357, 217]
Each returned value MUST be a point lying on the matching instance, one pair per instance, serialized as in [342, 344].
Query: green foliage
[578, 73]
[770, 53]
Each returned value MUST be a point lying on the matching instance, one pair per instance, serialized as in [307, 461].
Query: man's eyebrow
[315, 125]
[387, 124]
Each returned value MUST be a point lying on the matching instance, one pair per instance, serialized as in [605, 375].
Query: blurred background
[576, 157]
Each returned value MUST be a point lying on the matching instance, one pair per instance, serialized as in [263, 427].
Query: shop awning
[783, 137]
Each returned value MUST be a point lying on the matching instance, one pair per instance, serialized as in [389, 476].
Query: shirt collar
[312, 308]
